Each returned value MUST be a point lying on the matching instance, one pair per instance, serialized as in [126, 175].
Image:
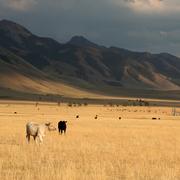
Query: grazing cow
[154, 118]
[62, 126]
[36, 130]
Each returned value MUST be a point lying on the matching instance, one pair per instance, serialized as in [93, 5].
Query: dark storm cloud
[145, 25]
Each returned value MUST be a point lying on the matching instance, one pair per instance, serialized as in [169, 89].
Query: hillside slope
[29, 63]
[16, 74]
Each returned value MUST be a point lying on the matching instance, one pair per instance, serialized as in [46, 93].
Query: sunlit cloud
[151, 6]
[18, 5]
[146, 5]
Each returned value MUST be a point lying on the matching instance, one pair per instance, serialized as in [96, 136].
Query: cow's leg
[61, 131]
[34, 138]
[28, 137]
[64, 131]
[40, 138]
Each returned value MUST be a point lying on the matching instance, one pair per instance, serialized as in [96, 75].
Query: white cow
[37, 130]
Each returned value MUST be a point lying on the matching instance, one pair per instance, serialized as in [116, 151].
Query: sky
[139, 25]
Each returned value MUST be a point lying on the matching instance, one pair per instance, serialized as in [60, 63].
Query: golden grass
[134, 148]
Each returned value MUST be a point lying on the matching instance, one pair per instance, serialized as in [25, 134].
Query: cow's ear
[48, 124]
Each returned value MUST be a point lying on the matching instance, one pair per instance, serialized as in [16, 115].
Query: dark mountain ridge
[85, 64]
[81, 41]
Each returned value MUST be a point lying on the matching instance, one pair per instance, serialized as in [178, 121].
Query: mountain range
[33, 64]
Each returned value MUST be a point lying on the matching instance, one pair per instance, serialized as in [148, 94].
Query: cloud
[18, 5]
[151, 6]
[143, 25]
[146, 5]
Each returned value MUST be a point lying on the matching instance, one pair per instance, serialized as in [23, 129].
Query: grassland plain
[133, 148]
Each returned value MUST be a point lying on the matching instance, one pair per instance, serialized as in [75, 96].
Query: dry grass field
[133, 148]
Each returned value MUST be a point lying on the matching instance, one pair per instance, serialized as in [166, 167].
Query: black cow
[62, 126]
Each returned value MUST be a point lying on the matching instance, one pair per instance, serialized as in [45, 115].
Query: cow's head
[50, 126]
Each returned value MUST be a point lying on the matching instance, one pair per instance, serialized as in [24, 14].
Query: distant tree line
[138, 102]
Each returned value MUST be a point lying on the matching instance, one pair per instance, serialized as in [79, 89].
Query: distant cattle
[37, 130]
[96, 117]
[62, 126]
[77, 116]
[154, 118]
[119, 118]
